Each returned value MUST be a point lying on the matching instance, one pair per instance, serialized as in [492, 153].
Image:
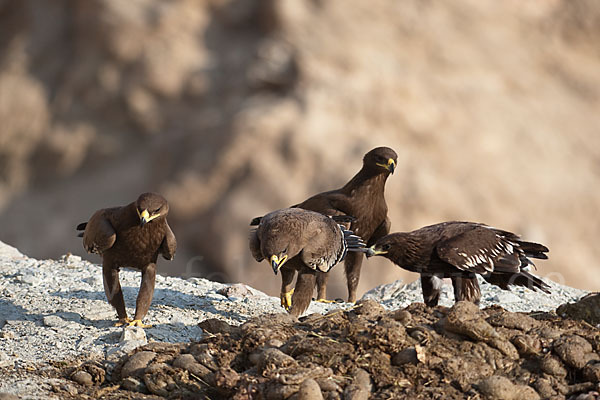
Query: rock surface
[224, 107]
[58, 339]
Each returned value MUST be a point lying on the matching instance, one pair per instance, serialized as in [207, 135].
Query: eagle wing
[169, 244]
[254, 243]
[481, 250]
[99, 234]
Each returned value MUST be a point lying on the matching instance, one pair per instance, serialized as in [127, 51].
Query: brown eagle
[293, 239]
[362, 201]
[460, 250]
[130, 236]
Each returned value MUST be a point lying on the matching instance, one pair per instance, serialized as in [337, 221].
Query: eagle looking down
[460, 250]
[304, 241]
[362, 200]
[130, 236]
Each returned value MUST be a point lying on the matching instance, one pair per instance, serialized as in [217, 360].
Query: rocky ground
[211, 340]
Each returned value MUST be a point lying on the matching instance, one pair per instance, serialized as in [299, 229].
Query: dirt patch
[367, 352]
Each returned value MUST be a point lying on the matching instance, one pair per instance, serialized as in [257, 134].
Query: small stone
[188, 362]
[505, 297]
[309, 390]
[591, 372]
[133, 333]
[7, 335]
[132, 384]
[53, 321]
[273, 358]
[527, 346]
[6, 360]
[71, 389]
[83, 378]
[402, 316]
[215, 325]
[29, 279]
[237, 291]
[406, 356]
[501, 388]
[552, 366]
[137, 363]
[572, 350]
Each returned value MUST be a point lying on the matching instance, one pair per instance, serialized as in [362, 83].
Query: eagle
[293, 239]
[460, 250]
[130, 236]
[362, 202]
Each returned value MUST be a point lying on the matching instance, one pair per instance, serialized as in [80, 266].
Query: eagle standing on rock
[130, 236]
[362, 198]
[294, 239]
[460, 250]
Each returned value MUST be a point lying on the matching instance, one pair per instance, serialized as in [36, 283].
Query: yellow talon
[326, 301]
[286, 299]
[138, 322]
[123, 321]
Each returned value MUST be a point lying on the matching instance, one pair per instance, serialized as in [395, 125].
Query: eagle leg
[431, 286]
[145, 294]
[287, 278]
[466, 288]
[112, 289]
[352, 268]
[305, 285]
[322, 278]
[286, 299]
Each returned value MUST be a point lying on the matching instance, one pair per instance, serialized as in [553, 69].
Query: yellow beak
[372, 251]
[145, 217]
[390, 166]
[277, 262]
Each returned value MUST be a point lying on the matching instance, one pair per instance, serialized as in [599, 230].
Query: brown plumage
[130, 236]
[293, 239]
[361, 198]
[460, 250]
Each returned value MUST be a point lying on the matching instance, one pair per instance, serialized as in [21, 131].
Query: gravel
[56, 310]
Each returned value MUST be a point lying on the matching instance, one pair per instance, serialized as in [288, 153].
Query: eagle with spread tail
[460, 250]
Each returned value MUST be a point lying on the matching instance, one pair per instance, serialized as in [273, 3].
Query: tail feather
[81, 226]
[523, 278]
[80, 235]
[353, 242]
[534, 250]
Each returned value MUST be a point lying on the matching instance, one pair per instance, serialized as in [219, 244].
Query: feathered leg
[145, 295]
[352, 268]
[114, 294]
[431, 286]
[305, 285]
[322, 278]
[466, 288]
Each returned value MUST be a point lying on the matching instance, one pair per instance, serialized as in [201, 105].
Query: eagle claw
[123, 321]
[286, 299]
[139, 323]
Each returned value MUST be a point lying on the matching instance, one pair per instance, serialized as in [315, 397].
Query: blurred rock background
[232, 108]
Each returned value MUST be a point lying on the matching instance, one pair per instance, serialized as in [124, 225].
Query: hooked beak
[390, 166]
[277, 262]
[144, 217]
[372, 251]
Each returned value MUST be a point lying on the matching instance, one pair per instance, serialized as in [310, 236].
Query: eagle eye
[385, 247]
